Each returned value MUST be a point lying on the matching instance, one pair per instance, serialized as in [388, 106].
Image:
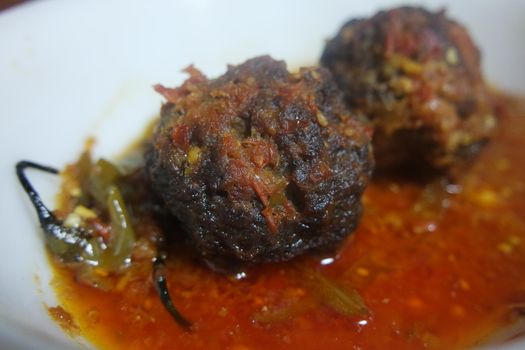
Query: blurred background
[8, 3]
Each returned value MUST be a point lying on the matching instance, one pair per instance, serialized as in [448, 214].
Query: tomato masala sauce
[438, 266]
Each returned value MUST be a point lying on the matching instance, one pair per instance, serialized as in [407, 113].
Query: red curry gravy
[438, 266]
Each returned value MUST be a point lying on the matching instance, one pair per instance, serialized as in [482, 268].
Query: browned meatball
[260, 164]
[416, 75]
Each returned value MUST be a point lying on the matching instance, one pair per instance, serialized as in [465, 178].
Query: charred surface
[260, 164]
[416, 75]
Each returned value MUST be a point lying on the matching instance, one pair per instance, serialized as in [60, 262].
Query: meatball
[260, 164]
[416, 75]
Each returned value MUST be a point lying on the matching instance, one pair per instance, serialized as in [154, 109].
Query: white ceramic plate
[69, 69]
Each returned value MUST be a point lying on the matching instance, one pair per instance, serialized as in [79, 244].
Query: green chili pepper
[122, 236]
[348, 303]
[103, 175]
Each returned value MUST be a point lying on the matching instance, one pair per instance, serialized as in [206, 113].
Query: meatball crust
[416, 75]
[260, 164]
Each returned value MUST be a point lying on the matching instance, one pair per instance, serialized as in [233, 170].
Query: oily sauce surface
[438, 266]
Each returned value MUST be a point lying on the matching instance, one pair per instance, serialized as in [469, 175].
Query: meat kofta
[416, 75]
[260, 164]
